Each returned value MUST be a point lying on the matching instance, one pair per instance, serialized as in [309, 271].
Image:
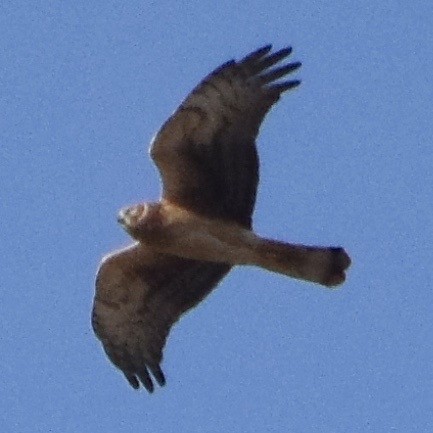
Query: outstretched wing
[206, 151]
[139, 296]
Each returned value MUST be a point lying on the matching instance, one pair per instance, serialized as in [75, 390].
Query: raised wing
[206, 151]
[139, 296]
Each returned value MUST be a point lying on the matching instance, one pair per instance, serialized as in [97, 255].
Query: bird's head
[140, 220]
[130, 217]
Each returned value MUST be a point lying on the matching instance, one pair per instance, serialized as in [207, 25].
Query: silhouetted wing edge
[139, 296]
[206, 151]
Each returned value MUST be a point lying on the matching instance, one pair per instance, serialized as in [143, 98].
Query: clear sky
[347, 159]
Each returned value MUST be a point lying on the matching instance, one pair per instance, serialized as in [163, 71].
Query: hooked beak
[121, 217]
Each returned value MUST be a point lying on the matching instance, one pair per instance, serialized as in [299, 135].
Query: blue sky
[346, 159]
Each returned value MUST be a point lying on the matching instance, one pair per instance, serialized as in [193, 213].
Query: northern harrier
[188, 241]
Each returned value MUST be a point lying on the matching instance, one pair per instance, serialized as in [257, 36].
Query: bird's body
[202, 226]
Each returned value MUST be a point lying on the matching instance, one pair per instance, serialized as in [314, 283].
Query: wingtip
[286, 51]
[143, 378]
[267, 48]
[146, 380]
[286, 85]
[132, 380]
[257, 54]
[158, 375]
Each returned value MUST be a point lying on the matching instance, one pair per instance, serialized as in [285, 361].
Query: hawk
[202, 226]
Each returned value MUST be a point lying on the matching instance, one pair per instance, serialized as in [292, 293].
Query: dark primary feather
[206, 151]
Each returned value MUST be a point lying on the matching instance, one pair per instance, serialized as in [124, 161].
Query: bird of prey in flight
[187, 242]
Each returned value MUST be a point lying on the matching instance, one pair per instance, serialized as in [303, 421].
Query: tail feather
[321, 265]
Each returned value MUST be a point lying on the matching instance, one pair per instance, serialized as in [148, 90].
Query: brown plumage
[187, 242]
